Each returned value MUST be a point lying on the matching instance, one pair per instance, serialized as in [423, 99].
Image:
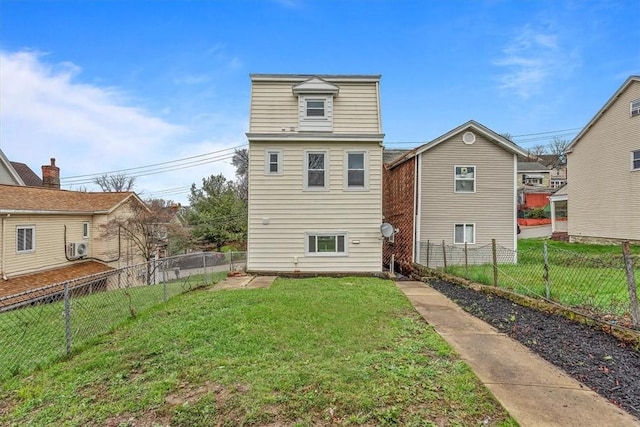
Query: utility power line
[155, 168]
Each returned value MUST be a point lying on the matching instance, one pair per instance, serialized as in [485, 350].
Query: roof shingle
[19, 198]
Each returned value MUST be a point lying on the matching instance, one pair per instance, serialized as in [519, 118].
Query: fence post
[428, 250]
[444, 256]
[67, 318]
[466, 264]
[631, 283]
[547, 290]
[204, 268]
[494, 253]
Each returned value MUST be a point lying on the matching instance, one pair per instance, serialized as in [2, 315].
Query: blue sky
[110, 85]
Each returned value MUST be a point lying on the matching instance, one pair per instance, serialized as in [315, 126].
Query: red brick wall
[397, 209]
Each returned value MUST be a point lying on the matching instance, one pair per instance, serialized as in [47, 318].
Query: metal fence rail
[43, 324]
[597, 285]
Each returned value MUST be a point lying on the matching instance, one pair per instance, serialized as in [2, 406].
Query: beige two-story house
[460, 189]
[603, 171]
[315, 164]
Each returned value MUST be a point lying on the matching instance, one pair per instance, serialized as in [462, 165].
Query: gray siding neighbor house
[460, 189]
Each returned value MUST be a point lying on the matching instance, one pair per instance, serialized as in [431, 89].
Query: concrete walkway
[533, 391]
[244, 282]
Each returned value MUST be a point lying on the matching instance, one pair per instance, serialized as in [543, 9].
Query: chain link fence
[45, 323]
[601, 285]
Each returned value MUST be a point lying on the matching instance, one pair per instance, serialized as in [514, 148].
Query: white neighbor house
[315, 174]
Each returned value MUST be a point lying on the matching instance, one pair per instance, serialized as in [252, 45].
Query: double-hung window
[25, 238]
[315, 108]
[464, 233]
[635, 160]
[273, 162]
[326, 244]
[635, 108]
[315, 170]
[356, 171]
[465, 179]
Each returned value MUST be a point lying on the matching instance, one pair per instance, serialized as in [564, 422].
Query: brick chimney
[51, 175]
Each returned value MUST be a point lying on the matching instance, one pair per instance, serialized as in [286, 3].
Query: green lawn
[321, 351]
[583, 275]
[36, 336]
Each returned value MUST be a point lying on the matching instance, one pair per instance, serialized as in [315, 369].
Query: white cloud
[530, 60]
[47, 111]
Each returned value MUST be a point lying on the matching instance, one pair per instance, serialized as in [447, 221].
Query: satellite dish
[386, 229]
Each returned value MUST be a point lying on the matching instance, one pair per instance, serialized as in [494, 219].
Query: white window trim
[365, 187]
[475, 179]
[86, 226]
[634, 108]
[322, 99]
[465, 224]
[267, 161]
[315, 123]
[33, 238]
[327, 254]
[305, 177]
[637, 160]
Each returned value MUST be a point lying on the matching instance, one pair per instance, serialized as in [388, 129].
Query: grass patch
[319, 351]
[35, 336]
[580, 275]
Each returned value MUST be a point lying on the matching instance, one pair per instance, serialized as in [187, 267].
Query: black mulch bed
[593, 357]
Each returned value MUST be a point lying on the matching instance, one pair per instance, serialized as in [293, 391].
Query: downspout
[417, 176]
[3, 240]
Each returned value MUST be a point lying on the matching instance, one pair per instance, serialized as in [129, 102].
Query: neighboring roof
[389, 156]
[552, 160]
[27, 287]
[10, 169]
[606, 106]
[19, 199]
[470, 125]
[532, 167]
[29, 177]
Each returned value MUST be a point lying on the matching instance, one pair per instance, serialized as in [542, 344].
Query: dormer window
[315, 107]
[315, 104]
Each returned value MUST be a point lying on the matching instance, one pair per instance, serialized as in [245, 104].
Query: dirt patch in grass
[607, 365]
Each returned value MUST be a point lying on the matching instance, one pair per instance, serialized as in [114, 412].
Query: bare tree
[557, 147]
[537, 150]
[115, 183]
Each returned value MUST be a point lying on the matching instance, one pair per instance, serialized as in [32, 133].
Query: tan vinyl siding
[491, 208]
[49, 251]
[274, 107]
[291, 212]
[603, 192]
[50, 242]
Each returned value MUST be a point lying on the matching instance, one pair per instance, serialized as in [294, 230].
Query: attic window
[315, 107]
[635, 108]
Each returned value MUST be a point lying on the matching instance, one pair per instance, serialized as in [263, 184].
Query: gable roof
[606, 106]
[27, 174]
[4, 162]
[315, 85]
[487, 133]
[42, 200]
[532, 167]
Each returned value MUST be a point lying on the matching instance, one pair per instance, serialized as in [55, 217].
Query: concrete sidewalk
[533, 391]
